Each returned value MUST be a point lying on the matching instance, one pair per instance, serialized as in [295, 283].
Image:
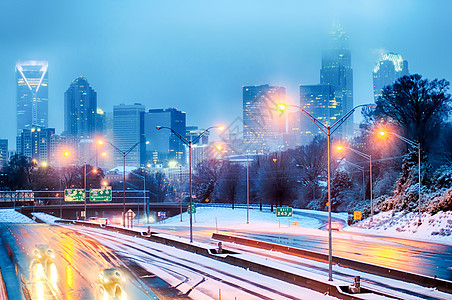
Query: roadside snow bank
[9, 215]
[434, 228]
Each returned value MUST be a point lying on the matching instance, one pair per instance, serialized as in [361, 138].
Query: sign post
[284, 212]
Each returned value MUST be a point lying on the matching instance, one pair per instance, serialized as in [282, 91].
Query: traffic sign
[357, 215]
[74, 195]
[130, 214]
[189, 210]
[286, 212]
[102, 194]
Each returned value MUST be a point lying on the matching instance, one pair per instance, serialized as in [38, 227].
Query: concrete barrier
[335, 289]
[426, 281]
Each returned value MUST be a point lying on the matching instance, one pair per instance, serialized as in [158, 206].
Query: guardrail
[336, 289]
[426, 281]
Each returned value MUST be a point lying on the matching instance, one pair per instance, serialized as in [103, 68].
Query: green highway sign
[102, 194]
[284, 212]
[189, 209]
[74, 195]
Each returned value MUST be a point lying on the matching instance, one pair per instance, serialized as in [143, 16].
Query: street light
[124, 154]
[369, 158]
[144, 195]
[189, 143]
[413, 144]
[328, 130]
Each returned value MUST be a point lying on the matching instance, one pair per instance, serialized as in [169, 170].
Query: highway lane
[430, 259]
[72, 268]
[395, 288]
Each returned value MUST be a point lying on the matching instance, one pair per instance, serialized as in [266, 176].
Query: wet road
[70, 265]
[423, 258]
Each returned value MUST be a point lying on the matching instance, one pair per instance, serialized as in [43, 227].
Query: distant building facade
[128, 130]
[32, 94]
[80, 110]
[40, 144]
[3, 152]
[162, 145]
[337, 71]
[324, 103]
[387, 70]
[263, 124]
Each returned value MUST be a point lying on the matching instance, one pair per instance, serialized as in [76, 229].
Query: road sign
[130, 214]
[189, 210]
[284, 212]
[74, 195]
[102, 194]
[357, 215]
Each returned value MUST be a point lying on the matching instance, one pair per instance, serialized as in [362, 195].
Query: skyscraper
[324, 103]
[388, 69]
[32, 94]
[80, 110]
[165, 146]
[263, 124]
[128, 129]
[337, 71]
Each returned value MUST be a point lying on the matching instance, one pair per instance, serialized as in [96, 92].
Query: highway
[74, 270]
[152, 270]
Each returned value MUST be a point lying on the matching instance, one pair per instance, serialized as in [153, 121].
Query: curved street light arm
[131, 148]
[196, 139]
[366, 156]
[116, 148]
[408, 141]
[183, 139]
[319, 124]
[339, 122]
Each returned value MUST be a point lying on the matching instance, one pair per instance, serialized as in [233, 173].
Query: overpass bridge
[156, 211]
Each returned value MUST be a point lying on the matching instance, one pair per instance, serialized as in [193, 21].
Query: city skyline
[196, 57]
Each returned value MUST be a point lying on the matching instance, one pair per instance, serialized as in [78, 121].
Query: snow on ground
[46, 217]
[9, 215]
[436, 228]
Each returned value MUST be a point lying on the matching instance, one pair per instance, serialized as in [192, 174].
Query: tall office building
[324, 102]
[263, 124]
[388, 69]
[337, 71]
[163, 145]
[80, 110]
[3, 152]
[128, 130]
[32, 94]
[35, 143]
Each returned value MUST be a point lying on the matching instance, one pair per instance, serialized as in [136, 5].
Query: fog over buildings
[197, 56]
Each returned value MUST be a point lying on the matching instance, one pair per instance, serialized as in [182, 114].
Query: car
[42, 252]
[110, 284]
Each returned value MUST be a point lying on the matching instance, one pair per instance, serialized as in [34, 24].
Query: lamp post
[418, 146]
[189, 143]
[369, 158]
[328, 130]
[144, 193]
[124, 154]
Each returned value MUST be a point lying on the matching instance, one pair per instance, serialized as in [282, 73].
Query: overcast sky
[196, 55]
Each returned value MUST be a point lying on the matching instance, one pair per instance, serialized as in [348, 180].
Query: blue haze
[197, 55]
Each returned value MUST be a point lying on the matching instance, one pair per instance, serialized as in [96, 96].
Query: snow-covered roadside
[9, 215]
[46, 217]
[436, 228]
